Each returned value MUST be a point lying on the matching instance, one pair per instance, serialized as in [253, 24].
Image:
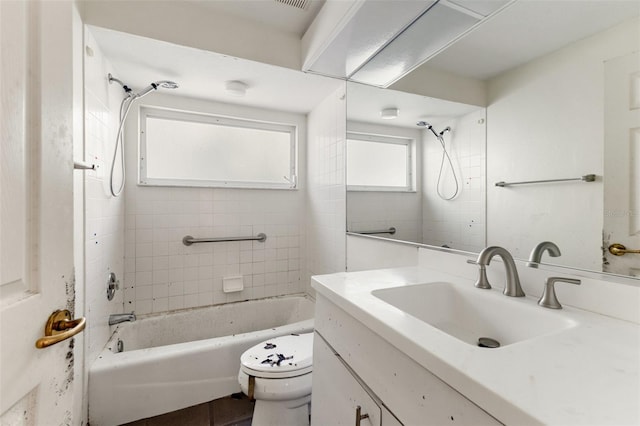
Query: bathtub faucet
[118, 318]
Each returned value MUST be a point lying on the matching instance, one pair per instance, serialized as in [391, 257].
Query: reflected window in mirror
[379, 163]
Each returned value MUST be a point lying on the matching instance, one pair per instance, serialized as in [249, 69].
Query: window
[189, 149]
[378, 163]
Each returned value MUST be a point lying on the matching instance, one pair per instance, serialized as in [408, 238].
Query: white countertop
[587, 374]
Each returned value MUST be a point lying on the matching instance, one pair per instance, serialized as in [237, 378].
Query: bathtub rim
[106, 355]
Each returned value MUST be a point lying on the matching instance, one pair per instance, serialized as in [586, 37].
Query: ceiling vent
[298, 4]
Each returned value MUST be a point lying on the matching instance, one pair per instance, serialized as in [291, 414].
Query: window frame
[145, 111]
[396, 140]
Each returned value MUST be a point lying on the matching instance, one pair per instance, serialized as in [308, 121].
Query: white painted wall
[365, 253]
[545, 121]
[162, 274]
[104, 214]
[326, 195]
[196, 25]
[458, 223]
[443, 85]
[368, 210]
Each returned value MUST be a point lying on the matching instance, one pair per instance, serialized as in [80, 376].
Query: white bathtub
[183, 358]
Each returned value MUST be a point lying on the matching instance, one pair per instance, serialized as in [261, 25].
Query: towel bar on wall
[585, 178]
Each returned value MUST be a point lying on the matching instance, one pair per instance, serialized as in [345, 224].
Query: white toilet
[281, 368]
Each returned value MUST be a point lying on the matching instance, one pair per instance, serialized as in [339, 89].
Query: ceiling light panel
[434, 30]
[357, 40]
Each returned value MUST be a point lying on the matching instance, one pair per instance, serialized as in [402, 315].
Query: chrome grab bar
[391, 231]
[188, 239]
[585, 178]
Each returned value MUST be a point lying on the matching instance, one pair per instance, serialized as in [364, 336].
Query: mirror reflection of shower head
[445, 154]
[428, 126]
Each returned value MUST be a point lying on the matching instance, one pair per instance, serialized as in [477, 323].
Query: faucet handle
[548, 298]
[483, 281]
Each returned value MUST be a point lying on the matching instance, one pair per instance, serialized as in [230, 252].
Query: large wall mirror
[401, 183]
[562, 102]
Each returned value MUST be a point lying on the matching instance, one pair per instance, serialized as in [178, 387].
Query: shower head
[126, 88]
[428, 126]
[165, 84]
[446, 129]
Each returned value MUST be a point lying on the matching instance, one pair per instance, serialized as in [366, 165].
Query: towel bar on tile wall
[188, 239]
[585, 178]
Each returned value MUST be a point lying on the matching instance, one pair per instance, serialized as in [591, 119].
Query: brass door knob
[620, 250]
[60, 327]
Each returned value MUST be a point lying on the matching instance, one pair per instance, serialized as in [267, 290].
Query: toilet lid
[285, 356]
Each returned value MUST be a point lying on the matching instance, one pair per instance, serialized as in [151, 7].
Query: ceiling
[526, 30]
[203, 74]
[272, 13]
[523, 31]
[364, 104]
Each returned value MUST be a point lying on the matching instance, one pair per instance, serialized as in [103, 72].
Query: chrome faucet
[118, 318]
[536, 253]
[512, 287]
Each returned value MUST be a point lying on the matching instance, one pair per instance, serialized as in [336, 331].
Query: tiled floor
[234, 410]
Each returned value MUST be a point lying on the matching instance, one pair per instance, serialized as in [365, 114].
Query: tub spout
[118, 318]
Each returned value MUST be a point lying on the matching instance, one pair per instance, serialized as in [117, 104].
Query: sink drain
[488, 342]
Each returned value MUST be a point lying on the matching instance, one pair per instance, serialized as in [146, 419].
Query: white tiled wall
[163, 274]
[326, 195]
[459, 223]
[104, 214]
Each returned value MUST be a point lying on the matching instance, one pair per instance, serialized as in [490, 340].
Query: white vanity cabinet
[339, 398]
[356, 367]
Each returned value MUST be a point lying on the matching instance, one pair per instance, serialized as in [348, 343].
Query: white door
[36, 210]
[622, 163]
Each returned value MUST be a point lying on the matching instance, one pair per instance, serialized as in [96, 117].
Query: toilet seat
[282, 357]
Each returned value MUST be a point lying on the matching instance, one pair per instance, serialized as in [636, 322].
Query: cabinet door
[336, 394]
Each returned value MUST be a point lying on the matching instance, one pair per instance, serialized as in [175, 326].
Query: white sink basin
[470, 313]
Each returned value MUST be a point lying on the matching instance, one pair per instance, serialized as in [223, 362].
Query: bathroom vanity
[398, 346]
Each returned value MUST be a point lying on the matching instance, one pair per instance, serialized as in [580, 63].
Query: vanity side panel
[412, 393]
